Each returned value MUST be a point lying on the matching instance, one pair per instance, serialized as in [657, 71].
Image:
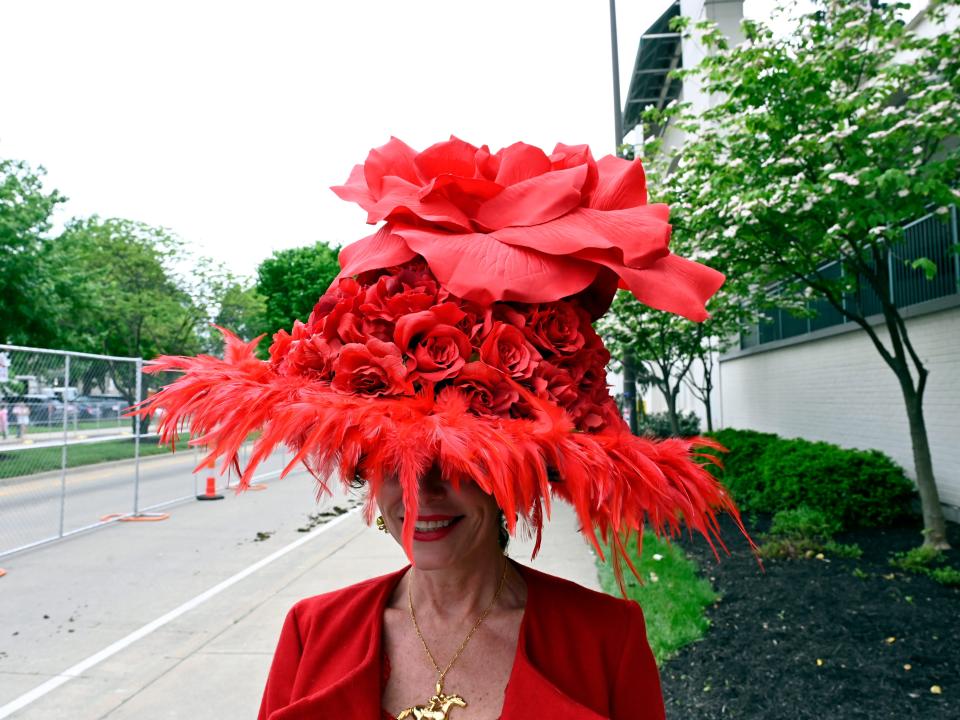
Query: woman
[453, 367]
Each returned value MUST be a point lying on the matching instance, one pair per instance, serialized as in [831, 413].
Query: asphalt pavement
[179, 618]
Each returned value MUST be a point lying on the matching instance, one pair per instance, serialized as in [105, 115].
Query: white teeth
[432, 525]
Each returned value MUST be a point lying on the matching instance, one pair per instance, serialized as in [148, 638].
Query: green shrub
[741, 463]
[946, 576]
[917, 560]
[854, 488]
[843, 550]
[658, 425]
[803, 522]
[922, 560]
[795, 547]
[804, 532]
[857, 488]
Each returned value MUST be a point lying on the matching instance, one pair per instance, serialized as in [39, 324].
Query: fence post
[956, 247]
[136, 441]
[63, 448]
[893, 300]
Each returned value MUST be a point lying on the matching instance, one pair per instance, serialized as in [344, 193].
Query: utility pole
[617, 113]
[629, 369]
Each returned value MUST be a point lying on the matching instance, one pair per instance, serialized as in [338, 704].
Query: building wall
[839, 389]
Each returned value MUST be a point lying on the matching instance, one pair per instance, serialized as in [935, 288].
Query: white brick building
[827, 383]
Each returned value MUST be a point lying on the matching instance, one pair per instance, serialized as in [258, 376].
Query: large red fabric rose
[558, 328]
[372, 369]
[439, 348]
[507, 349]
[522, 225]
[487, 391]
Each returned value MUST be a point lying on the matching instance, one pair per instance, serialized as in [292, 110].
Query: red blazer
[581, 655]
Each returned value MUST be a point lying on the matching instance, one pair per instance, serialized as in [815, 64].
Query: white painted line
[95, 659]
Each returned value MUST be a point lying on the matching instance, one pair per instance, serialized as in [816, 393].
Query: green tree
[820, 146]
[131, 290]
[25, 211]
[291, 281]
[665, 348]
[242, 310]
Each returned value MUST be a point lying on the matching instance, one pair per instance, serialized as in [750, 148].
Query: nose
[432, 486]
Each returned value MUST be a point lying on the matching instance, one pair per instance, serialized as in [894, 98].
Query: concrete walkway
[179, 619]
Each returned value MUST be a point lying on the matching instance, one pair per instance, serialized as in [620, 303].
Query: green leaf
[928, 266]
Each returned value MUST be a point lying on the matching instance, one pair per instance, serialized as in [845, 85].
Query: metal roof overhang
[659, 52]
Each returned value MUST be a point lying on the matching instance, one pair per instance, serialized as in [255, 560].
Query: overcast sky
[227, 121]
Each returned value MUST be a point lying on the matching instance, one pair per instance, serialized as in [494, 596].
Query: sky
[227, 122]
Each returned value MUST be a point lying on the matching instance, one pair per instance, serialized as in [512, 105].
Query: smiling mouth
[433, 523]
[428, 525]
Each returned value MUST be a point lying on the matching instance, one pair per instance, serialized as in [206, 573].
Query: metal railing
[928, 237]
[69, 459]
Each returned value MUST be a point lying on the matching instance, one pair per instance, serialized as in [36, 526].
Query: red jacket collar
[356, 695]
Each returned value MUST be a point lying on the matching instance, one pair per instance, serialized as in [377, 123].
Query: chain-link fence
[69, 459]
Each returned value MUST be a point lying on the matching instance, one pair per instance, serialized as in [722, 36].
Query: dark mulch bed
[759, 658]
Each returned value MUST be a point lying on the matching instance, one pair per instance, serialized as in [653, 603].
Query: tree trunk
[934, 526]
[708, 391]
[671, 397]
[630, 391]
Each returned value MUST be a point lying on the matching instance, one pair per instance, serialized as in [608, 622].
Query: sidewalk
[72, 601]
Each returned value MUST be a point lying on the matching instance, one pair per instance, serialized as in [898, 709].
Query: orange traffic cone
[211, 493]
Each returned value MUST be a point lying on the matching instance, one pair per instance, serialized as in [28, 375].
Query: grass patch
[75, 426]
[673, 596]
[45, 459]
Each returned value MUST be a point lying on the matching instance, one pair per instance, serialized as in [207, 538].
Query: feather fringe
[617, 483]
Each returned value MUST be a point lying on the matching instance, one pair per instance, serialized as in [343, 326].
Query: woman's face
[454, 525]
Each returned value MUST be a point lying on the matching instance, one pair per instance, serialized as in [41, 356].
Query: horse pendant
[437, 708]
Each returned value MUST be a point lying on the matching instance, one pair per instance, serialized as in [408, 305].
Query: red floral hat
[460, 335]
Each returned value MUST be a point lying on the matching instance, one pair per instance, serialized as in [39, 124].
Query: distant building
[822, 379]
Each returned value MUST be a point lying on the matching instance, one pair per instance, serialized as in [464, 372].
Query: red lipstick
[436, 533]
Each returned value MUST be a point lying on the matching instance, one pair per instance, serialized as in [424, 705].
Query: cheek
[388, 495]
[478, 502]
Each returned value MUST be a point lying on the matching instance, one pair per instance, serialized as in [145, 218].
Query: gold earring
[381, 525]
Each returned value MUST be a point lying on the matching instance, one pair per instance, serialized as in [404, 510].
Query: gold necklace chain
[483, 616]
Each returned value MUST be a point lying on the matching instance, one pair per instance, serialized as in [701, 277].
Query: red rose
[342, 289]
[521, 225]
[553, 383]
[507, 349]
[438, 346]
[487, 391]
[476, 323]
[589, 361]
[380, 329]
[279, 347]
[509, 314]
[557, 327]
[374, 302]
[390, 297]
[374, 368]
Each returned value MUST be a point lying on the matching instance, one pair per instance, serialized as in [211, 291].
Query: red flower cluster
[397, 332]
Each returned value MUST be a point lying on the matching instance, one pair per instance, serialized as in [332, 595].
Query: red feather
[615, 481]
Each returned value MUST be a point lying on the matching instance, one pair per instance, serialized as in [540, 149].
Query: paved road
[30, 505]
[179, 619]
